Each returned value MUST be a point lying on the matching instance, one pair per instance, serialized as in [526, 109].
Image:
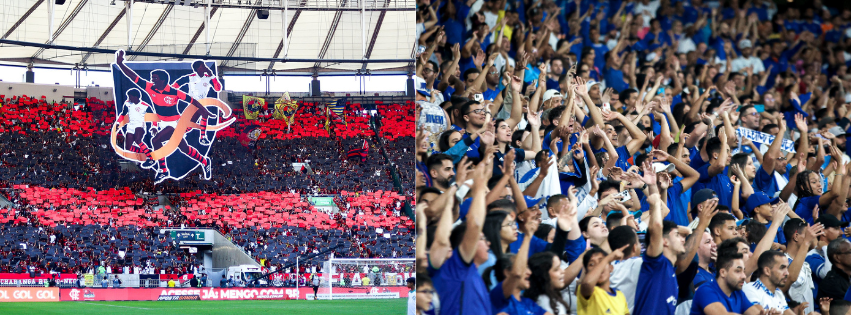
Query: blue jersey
[720, 184]
[678, 210]
[457, 279]
[710, 293]
[764, 181]
[511, 305]
[703, 277]
[805, 206]
[657, 289]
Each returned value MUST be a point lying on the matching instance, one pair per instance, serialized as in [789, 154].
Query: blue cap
[531, 202]
[757, 199]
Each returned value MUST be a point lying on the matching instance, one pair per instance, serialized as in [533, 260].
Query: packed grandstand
[72, 207]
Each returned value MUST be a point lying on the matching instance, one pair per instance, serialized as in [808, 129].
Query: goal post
[365, 278]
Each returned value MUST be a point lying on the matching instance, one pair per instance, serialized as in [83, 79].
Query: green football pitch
[336, 307]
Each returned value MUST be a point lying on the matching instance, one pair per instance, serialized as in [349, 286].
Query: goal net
[363, 278]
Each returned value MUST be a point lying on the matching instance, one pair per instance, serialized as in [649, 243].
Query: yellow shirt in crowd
[602, 302]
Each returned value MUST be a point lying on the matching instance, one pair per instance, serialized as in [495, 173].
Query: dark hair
[436, 160]
[491, 229]
[196, 63]
[503, 262]
[555, 199]
[740, 159]
[622, 236]
[613, 220]
[679, 112]
[556, 112]
[756, 231]
[134, 92]
[607, 184]
[583, 224]
[766, 259]
[802, 186]
[465, 108]
[443, 142]
[470, 71]
[667, 227]
[744, 108]
[590, 254]
[502, 205]
[713, 146]
[425, 190]
[725, 261]
[639, 160]
[540, 282]
[161, 74]
[833, 248]
[768, 127]
[543, 231]
[792, 227]
[719, 220]
[423, 279]
[624, 95]
[457, 235]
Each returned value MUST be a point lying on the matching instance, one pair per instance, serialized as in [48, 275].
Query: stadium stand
[72, 205]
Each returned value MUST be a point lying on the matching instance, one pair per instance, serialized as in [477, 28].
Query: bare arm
[440, 246]
[705, 215]
[476, 215]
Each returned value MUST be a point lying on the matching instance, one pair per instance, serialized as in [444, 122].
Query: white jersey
[136, 113]
[757, 293]
[199, 86]
[625, 278]
[412, 303]
[432, 118]
[802, 289]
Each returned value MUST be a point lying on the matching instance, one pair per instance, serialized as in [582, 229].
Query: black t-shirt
[834, 285]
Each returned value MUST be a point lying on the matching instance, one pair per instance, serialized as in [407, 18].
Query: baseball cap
[701, 196]
[837, 131]
[825, 121]
[745, 43]
[590, 83]
[550, 94]
[420, 85]
[757, 199]
[531, 202]
[829, 221]
[661, 167]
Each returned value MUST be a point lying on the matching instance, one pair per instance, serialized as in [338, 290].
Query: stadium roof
[322, 35]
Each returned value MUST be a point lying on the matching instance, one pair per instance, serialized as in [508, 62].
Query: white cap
[745, 43]
[661, 167]
[550, 94]
[590, 83]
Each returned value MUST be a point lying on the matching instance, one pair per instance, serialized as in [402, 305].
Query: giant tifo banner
[29, 294]
[24, 279]
[167, 114]
[218, 294]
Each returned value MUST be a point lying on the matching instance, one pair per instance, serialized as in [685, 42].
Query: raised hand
[618, 253]
[480, 58]
[649, 177]
[463, 170]
[813, 232]
[801, 123]
[708, 211]
[607, 95]
[824, 304]
[516, 83]
[534, 119]
[659, 155]
[664, 180]
[581, 87]
[492, 59]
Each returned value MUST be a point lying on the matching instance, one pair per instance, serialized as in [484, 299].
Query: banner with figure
[285, 108]
[165, 107]
[249, 135]
[252, 106]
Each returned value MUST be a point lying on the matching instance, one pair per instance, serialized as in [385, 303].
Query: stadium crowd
[73, 207]
[633, 157]
[37, 134]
